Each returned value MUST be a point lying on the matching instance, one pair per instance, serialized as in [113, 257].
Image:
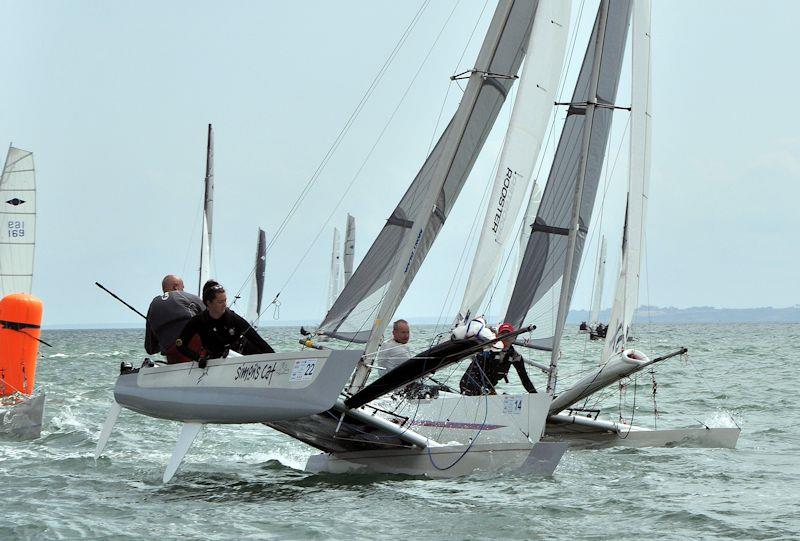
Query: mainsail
[259, 271]
[594, 315]
[208, 208]
[363, 309]
[626, 296]
[524, 137]
[18, 215]
[559, 231]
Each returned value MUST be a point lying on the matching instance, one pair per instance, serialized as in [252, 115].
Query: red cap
[505, 327]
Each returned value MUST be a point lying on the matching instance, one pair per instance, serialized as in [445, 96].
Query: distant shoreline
[652, 314]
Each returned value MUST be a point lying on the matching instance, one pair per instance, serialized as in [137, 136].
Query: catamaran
[324, 397]
[305, 390]
[21, 402]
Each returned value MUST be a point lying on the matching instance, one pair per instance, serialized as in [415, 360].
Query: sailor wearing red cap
[489, 367]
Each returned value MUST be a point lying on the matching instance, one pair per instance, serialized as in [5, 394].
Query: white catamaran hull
[585, 433]
[245, 389]
[476, 433]
[23, 420]
[446, 461]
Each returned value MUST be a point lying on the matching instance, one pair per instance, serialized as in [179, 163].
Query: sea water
[246, 482]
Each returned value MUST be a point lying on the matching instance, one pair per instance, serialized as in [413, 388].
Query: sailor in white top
[395, 352]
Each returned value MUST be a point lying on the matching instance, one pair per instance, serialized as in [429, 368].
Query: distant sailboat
[21, 404]
[341, 267]
[596, 329]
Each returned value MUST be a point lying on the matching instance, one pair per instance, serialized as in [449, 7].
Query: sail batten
[376, 288]
[17, 222]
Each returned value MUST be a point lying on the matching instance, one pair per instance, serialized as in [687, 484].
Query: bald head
[171, 283]
[401, 331]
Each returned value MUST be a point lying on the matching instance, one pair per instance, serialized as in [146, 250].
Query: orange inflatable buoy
[20, 326]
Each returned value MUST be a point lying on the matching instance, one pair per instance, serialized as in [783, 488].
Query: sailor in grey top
[167, 315]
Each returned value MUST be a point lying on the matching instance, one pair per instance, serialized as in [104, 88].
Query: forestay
[578, 159]
[626, 296]
[526, 130]
[18, 225]
[400, 248]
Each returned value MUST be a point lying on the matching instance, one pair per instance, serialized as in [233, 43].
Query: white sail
[594, 316]
[257, 284]
[626, 296]
[349, 248]
[334, 285]
[208, 208]
[18, 219]
[524, 137]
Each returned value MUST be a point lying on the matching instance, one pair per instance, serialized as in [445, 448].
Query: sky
[114, 100]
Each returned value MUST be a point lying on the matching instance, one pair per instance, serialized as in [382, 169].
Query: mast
[349, 249]
[594, 316]
[208, 208]
[523, 141]
[591, 103]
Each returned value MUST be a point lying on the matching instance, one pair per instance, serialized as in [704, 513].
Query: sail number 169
[16, 229]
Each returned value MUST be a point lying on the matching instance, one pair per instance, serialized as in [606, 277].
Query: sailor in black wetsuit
[219, 329]
[489, 367]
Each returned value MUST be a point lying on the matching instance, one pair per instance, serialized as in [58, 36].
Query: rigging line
[462, 261]
[191, 238]
[471, 441]
[369, 154]
[348, 124]
[455, 70]
[609, 174]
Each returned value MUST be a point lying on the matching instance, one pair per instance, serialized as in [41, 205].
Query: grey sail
[367, 301]
[537, 290]
[254, 302]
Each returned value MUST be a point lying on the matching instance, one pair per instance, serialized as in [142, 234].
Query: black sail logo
[16, 201]
[498, 214]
